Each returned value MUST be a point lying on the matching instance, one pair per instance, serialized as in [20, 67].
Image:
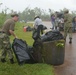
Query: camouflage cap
[66, 11]
[14, 14]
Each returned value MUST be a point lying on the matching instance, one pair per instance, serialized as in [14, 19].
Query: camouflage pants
[5, 46]
[67, 30]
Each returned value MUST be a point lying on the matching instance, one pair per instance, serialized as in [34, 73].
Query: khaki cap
[14, 14]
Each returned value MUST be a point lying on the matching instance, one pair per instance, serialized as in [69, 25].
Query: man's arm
[12, 33]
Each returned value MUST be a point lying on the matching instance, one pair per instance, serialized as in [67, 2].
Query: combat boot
[3, 60]
[12, 61]
[70, 40]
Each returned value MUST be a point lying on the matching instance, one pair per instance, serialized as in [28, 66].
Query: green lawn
[27, 36]
[26, 69]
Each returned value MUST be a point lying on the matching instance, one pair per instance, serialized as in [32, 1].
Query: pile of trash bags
[29, 28]
[26, 54]
[51, 36]
[48, 48]
[22, 51]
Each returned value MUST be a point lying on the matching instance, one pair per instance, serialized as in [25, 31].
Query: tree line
[28, 14]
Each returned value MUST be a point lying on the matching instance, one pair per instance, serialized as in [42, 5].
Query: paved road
[48, 24]
[69, 66]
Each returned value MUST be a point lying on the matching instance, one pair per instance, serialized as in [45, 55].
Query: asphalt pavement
[69, 66]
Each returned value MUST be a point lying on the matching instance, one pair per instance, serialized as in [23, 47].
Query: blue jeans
[53, 25]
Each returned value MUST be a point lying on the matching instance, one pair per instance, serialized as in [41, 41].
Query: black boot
[12, 61]
[70, 40]
[3, 60]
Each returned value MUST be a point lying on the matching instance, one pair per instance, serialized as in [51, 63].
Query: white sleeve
[35, 24]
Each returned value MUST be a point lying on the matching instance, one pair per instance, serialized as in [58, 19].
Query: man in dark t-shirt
[8, 25]
[7, 30]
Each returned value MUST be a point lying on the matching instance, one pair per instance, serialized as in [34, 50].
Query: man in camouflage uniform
[7, 30]
[67, 25]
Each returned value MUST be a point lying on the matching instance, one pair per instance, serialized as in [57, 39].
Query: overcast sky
[20, 5]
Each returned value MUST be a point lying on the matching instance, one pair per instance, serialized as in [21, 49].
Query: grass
[26, 69]
[27, 36]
